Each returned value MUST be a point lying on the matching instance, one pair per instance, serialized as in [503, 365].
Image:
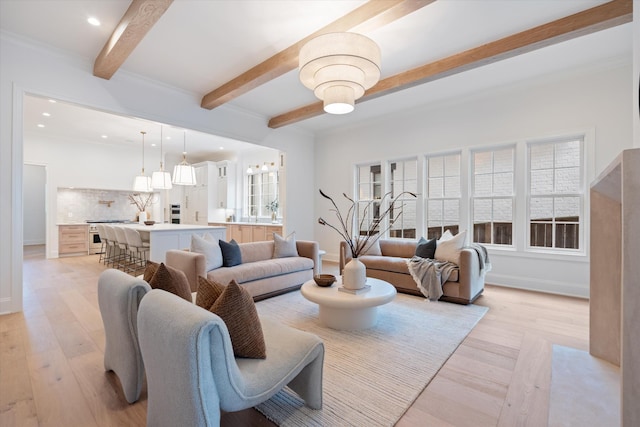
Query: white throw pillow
[282, 247]
[449, 250]
[445, 236]
[371, 248]
[210, 248]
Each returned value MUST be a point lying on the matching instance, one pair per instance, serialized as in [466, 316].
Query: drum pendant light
[184, 173]
[161, 180]
[142, 183]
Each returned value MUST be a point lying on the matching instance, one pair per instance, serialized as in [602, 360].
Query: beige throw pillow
[210, 248]
[449, 250]
[282, 247]
[238, 311]
[371, 247]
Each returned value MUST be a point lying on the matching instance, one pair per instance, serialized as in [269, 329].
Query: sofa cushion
[284, 247]
[398, 247]
[449, 250]
[208, 292]
[426, 248]
[210, 248]
[231, 254]
[171, 280]
[260, 269]
[394, 265]
[238, 311]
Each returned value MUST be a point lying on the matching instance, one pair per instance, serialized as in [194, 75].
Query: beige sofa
[261, 274]
[464, 285]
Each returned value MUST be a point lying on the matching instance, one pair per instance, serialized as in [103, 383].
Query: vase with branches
[142, 201]
[358, 242]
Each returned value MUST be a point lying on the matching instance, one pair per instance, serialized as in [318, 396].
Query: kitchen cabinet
[73, 239]
[226, 185]
[245, 233]
[200, 199]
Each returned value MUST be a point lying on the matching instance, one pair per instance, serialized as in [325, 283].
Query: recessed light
[46, 114]
[53, 101]
[93, 21]
[153, 145]
[104, 136]
[222, 148]
[40, 125]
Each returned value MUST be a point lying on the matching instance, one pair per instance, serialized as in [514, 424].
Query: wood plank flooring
[51, 371]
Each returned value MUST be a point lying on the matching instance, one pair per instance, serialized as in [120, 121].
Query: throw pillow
[449, 250]
[238, 311]
[210, 248]
[231, 254]
[208, 292]
[171, 280]
[372, 247]
[445, 236]
[282, 247]
[150, 270]
[426, 248]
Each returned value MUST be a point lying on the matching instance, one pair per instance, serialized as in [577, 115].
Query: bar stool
[103, 243]
[112, 247]
[124, 258]
[138, 249]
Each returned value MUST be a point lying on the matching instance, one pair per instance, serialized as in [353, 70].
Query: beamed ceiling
[244, 54]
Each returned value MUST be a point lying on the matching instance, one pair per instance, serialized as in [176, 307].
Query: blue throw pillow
[230, 253]
[426, 249]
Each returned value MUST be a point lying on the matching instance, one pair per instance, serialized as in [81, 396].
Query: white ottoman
[346, 311]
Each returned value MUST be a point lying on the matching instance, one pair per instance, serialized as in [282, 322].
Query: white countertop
[276, 224]
[72, 223]
[171, 227]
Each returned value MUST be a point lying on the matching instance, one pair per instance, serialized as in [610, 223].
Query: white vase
[354, 275]
[142, 217]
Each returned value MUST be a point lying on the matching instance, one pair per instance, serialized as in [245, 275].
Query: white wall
[596, 102]
[26, 68]
[35, 177]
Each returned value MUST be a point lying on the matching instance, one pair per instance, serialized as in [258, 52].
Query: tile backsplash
[80, 205]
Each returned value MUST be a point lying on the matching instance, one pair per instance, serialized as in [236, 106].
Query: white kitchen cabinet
[226, 185]
[200, 199]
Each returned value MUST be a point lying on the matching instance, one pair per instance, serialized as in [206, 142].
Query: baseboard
[33, 242]
[548, 286]
[7, 306]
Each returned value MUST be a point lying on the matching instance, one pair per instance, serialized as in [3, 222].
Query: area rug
[371, 377]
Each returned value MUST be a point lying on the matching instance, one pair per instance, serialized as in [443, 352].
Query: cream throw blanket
[430, 275]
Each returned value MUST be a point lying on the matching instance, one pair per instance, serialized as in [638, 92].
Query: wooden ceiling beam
[373, 14]
[607, 15]
[134, 25]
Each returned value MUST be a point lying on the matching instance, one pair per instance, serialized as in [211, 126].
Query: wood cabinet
[244, 233]
[73, 240]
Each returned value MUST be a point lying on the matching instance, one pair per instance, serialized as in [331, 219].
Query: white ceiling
[198, 45]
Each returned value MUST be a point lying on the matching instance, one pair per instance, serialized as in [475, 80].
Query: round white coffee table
[346, 311]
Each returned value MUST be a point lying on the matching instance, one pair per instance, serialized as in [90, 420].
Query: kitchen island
[162, 237]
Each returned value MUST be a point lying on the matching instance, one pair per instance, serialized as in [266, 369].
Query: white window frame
[363, 202]
[388, 183]
[581, 194]
[473, 198]
[444, 198]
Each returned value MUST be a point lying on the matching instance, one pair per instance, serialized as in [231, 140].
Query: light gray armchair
[119, 296]
[192, 374]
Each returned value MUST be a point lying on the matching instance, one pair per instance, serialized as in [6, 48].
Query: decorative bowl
[149, 222]
[324, 280]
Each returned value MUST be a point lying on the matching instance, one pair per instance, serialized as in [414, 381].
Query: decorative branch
[142, 200]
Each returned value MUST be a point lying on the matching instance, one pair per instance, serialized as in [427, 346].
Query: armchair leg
[308, 383]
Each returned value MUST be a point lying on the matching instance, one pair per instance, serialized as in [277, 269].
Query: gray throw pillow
[210, 248]
[426, 248]
[231, 254]
[284, 247]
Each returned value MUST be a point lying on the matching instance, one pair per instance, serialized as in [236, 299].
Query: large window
[555, 194]
[443, 194]
[369, 195]
[404, 177]
[493, 196]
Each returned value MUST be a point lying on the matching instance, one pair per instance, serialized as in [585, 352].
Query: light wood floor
[51, 371]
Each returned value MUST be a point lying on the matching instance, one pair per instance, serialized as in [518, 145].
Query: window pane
[435, 210]
[567, 208]
[503, 160]
[541, 156]
[482, 232]
[502, 233]
[503, 184]
[436, 166]
[567, 236]
[411, 186]
[568, 180]
[482, 185]
[436, 187]
[365, 192]
[364, 175]
[452, 186]
[452, 211]
[503, 210]
[541, 181]
[567, 154]
[452, 165]
[411, 170]
[482, 210]
[482, 162]
[541, 235]
[541, 209]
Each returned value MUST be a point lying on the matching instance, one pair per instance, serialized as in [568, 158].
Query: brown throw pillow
[171, 280]
[150, 270]
[238, 311]
[208, 292]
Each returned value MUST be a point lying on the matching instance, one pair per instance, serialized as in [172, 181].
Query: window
[493, 196]
[404, 177]
[262, 190]
[443, 195]
[555, 194]
[369, 195]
